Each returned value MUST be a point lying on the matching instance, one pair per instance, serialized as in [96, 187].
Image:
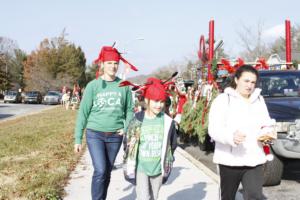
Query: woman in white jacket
[236, 120]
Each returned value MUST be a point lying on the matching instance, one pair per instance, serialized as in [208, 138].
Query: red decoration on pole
[288, 50]
[201, 52]
[211, 50]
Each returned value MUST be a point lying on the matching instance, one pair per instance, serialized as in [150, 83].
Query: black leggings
[251, 178]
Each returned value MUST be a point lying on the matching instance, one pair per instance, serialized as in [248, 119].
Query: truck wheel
[273, 171]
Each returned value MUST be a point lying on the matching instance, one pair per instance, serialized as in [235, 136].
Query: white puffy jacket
[230, 112]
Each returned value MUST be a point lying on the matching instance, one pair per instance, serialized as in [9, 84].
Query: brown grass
[36, 155]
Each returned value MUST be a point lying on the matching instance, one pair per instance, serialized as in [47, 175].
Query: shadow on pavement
[3, 106]
[195, 192]
[132, 195]
[2, 116]
[174, 174]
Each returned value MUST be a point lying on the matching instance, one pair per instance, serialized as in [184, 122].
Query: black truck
[281, 91]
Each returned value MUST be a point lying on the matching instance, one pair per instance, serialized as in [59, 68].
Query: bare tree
[7, 46]
[251, 41]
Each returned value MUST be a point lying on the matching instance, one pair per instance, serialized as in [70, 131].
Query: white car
[13, 97]
[52, 97]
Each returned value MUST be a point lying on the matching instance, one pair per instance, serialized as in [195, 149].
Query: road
[289, 189]
[8, 110]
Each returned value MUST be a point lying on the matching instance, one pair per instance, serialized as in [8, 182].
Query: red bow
[262, 64]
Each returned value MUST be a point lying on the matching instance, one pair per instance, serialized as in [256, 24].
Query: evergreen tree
[91, 72]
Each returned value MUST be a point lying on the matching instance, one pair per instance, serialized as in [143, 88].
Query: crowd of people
[147, 128]
[71, 99]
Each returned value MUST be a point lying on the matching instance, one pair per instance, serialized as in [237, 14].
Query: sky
[152, 33]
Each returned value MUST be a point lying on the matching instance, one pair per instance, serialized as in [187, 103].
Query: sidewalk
[189, 180]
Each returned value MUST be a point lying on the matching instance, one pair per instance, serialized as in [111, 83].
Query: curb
[199, 165]
[27, 114]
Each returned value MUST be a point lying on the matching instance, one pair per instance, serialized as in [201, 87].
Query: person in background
[65, 100]
[77, 91]
[104, 112]
[236, 120]
[182, 98]
[150, 143]
[173, 99]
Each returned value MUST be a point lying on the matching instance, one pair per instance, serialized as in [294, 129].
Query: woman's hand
[77, 148]
[267, 137]
[120, 132]
[238, 137]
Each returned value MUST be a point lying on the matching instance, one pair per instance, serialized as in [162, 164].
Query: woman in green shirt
[104, 111]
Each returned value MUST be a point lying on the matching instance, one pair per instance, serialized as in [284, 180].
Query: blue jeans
[103, 149]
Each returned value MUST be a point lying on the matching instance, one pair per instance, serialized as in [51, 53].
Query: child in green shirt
[150, 143]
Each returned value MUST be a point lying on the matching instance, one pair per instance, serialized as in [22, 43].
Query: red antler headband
[226, 66]
[108, 53]
[231, 69]
[153, 89]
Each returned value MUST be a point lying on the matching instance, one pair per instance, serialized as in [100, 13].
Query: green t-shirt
[104, 107]
[150, 147]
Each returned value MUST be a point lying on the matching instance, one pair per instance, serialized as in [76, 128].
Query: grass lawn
[36, 155]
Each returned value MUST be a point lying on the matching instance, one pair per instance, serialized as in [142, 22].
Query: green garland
[191, 121]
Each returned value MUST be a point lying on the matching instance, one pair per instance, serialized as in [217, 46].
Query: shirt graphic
[150, 146]
[108, 100]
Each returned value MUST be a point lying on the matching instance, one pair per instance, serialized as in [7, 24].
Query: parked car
[52, 97]
[33, 97]
[13, 97]
[281, 91]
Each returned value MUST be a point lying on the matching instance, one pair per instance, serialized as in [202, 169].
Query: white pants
[147, 187]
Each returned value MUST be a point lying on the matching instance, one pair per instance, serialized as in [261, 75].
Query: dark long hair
[240, 71]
